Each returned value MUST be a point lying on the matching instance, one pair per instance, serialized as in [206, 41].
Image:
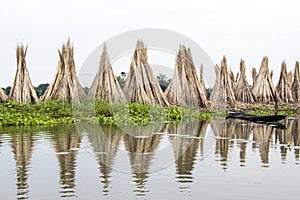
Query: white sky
[247, 29]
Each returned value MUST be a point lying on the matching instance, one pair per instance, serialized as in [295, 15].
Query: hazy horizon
[237, 29]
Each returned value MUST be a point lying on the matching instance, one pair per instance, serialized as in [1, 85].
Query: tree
[40, 90]
[121, 79]
[163, 81]
[7, 90]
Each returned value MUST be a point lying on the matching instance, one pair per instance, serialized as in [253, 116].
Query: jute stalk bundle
[65, 85]
[185, 88]
[105, 86]
[22, 89]
[141, 85]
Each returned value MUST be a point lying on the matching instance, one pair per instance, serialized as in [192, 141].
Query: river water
[215, 159]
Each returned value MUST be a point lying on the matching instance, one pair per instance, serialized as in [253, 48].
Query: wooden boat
[255, 118]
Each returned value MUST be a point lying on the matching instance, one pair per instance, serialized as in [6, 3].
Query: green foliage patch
[57, 112]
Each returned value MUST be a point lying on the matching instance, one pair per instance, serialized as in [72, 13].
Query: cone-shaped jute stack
[141, 85]
[233, 80]
[290, 78]
[105, 86]
[254, 75]
[202, 84]
[263, 88]
[22, 89]
[283, 87]
[3, 96]
[65, 85]
[243, 92]
[296, 83]
[222, 91]
[185, 88]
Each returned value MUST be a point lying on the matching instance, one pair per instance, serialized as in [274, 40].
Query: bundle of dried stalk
[233, 80]
[254, 75]
[283, 87]
[105, 86]
[243, 92]
[263, 88]
[222, 95]
[296, 83]
[141, 85]
[3, 96]
[22, 89]
[185, 88]
[65, 85]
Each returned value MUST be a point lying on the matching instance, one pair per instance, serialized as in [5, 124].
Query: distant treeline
[40, 90]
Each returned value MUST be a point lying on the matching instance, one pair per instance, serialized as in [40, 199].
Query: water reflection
[105, 143]
[66, 143]
[141, 144]
[262, 135]
[186, 142]
[186, 139]
[22, 144]
[224, 132]
[296, 138]
[242, 130]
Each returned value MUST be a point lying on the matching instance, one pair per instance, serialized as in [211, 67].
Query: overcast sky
[247, 29]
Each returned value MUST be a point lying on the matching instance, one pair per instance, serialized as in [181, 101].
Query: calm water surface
[216, 159]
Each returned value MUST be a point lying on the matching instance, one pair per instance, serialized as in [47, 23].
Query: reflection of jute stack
[185, 88]
[141, 85]
[242, 131]
[186, 140]
[140, 151]
[66, 142]
[284, 136]
[262, 136]
[223, 131]
[296, 137]
[22, 89]
[283, 87]
[105, 144]
[105, 86]
[65, 86]
[22, 144]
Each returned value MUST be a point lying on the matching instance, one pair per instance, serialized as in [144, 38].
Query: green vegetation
[135, 113]
[47, 113]
[264, 110]
[56, 112]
